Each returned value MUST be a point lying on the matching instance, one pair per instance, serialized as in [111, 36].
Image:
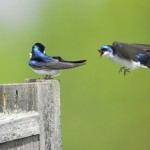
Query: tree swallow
[48, 65]
[130, 56]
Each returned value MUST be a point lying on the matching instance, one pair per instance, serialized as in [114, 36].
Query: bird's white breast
[48, 72]
[128, 64]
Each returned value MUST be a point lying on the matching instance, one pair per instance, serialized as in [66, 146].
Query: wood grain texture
[31, 109]
[29, 143]
[26, 97]
[48, 96]
[19, 125]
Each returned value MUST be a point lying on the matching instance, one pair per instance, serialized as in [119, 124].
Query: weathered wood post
[30, 116]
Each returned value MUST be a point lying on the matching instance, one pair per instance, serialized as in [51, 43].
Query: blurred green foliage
[101, 109]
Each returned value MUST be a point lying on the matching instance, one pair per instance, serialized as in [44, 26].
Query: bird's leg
[126, 70]
[49, 77]
[122, 68]
[45, 77]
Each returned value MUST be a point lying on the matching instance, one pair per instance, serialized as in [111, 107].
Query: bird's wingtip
[79, 61]
[82, 61]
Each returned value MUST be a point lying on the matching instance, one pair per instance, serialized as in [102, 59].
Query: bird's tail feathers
[76, 62]
[73, 64]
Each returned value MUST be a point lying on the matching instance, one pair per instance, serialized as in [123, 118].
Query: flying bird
[50, 66]
[130, 56]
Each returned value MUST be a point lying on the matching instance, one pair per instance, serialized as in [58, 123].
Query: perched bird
[48, 65]
[130, 56]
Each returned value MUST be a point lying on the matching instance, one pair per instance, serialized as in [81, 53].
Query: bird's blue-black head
[38, 54]
[106, 48]
[38, 47]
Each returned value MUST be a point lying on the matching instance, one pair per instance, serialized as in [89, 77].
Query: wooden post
[28, 111]
[49, 112]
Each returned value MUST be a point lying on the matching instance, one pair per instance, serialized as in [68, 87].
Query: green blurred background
[101, 109]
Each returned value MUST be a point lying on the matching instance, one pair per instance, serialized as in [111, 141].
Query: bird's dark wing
[67, 61]
[59, 64]
[144, 47]
[130, 51]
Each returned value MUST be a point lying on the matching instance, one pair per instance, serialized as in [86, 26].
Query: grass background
[101, 109]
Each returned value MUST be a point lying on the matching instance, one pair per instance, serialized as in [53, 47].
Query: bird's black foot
[47, 77]
[124, 69]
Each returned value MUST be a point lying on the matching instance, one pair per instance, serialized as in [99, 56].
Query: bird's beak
[100, 51]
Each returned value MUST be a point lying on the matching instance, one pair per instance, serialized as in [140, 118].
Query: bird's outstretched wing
[130, 51]
[59, 64]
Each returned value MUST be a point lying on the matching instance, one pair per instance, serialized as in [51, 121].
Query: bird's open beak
[100, 51]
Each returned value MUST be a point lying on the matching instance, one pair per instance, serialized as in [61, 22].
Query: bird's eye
[104, 49]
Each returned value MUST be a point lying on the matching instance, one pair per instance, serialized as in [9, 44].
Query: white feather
[48, 72]
[30, 55]
[128, 64]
